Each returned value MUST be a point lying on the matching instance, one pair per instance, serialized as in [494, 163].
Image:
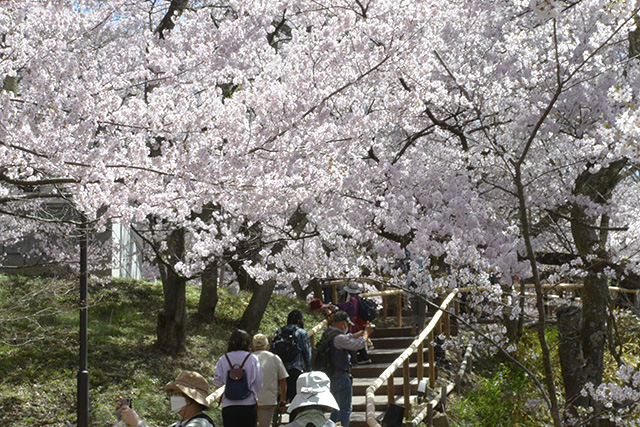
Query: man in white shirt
[275, 378]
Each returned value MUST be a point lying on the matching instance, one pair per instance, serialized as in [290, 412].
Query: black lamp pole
[83, 372]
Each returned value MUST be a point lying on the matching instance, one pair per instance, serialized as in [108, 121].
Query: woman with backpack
[241, 374]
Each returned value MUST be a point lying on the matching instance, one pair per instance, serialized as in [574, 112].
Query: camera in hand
[124, 401]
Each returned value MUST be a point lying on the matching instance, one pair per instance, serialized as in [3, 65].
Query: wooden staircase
[388, 343]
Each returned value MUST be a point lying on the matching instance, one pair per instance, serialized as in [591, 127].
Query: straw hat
[191, 384]
[313, 390]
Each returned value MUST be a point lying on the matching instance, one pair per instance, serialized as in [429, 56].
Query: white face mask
[177, 403]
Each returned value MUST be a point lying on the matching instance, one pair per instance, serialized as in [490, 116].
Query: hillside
[39, 348]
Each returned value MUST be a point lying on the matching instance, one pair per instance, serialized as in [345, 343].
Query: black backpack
[236, 387]
[285, 344]
[321, 357]
[367, 309]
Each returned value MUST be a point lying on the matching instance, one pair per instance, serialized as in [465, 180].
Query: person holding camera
[188, 398]
[341, 344]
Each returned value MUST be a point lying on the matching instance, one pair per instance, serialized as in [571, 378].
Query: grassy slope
[39, 352]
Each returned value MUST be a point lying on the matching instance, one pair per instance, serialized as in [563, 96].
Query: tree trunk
[510, 322]
[254, 312]
[209, 293]
[594, 326]
[172, 328]
[312, 286]
[590, 238]
[570, 354]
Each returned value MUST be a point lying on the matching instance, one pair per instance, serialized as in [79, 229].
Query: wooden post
[420, 358]
[334, 292]
[313, 341]
[447, 325]
[385, 307]
[406, 387]
[391, 391]
[399, 310]
[429, 414]
[221, 271]
[432, 361]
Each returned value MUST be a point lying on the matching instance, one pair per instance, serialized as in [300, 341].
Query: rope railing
[403, 361]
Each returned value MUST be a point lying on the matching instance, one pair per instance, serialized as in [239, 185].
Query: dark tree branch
[446, 126]
[175, 9]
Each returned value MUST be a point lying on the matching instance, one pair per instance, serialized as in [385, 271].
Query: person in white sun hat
[312, 399]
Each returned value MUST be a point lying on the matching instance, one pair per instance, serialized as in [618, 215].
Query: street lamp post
[83, 372]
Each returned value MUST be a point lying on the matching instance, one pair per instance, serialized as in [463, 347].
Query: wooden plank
[406, 388]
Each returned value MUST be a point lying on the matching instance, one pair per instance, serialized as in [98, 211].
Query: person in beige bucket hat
[188, 396]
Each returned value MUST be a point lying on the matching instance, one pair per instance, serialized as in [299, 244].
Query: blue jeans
[342, 390]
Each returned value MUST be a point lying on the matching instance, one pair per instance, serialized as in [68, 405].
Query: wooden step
[392, 332]
[374, 370]
[388, 355]
[392, 342]
[360, 386]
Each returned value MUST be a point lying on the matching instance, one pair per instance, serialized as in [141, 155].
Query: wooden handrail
[403, 359]
[559, 286]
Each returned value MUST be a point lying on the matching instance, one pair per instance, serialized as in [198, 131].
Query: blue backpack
[236, 387]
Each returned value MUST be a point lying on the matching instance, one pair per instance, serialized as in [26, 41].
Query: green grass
[39, 347]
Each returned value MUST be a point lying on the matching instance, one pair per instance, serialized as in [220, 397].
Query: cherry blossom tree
[304, 139]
